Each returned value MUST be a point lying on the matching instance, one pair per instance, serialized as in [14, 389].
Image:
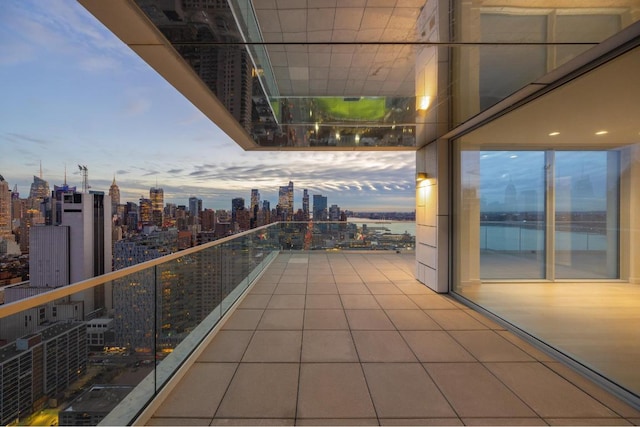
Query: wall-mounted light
[423, 103]
[421, 176]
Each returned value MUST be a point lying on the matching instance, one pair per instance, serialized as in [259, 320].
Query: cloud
[21, 138]
[175, 171]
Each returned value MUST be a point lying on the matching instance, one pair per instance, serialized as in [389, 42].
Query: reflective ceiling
[357, 74]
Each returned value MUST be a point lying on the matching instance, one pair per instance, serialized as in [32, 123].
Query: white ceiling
[340, 70]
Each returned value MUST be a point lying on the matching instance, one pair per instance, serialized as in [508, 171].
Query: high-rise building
[38, 192]
[5, 210]
[208, 220]
[78, 248]
[236, 204]
[305, 204]
[114, 193]
[145, 216]
[195, 209]
[320, 208]
[255, 202]
[334, 213]
[285, 201]
[156, 195]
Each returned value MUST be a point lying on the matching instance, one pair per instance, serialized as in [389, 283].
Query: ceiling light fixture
[602, 132]
[554, 133]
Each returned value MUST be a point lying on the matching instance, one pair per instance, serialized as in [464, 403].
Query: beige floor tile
[321, 288]
[359, 302]
[396, 302]
[413, 287]
[337, 422]
[286, 301]
[597, 392]
[432, 302]
[455, 320]
[420, 422]
[436, 346]
[271, 276]
[320, 278]
[284, 319]
[255, 301]
[475, 393]
[333, 390]
[264, 288]
[293, 277]
[252, 422]
[404, 390]
[504, 422]
[227, 346]
[368, 320]
[178, 421]
[325, 319]
[244, 320]
[261, 390]
[352, 289]
[342, 278]
[323, 301]
[547, 393]
[488, 346]
[328, 346]
[526, 347]
[199, 392]
[274, 346]
[587, 422]
[383, 288]
[299, 288]
[382, 346]
[412, 320]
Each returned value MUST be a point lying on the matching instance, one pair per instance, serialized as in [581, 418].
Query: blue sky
[74, 94]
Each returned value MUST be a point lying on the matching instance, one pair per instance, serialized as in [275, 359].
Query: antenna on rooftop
[85, 177]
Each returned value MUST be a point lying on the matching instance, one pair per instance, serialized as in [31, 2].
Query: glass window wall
[546, 231]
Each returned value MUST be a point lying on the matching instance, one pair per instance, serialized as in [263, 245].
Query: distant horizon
[184, 200]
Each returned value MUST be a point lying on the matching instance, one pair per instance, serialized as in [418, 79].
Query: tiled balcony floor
[353, 338]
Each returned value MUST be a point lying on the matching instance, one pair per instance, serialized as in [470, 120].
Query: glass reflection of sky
[581, 176]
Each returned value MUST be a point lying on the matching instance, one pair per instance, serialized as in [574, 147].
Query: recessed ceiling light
[602, 132]
[554, 133]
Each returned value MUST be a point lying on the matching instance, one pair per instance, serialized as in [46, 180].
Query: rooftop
[353, 338]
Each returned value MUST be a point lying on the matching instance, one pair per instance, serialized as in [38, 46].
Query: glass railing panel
[123, 334]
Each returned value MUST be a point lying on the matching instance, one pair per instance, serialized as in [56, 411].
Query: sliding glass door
[542, 215]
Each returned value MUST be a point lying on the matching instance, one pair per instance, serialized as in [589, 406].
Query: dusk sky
[73, 94]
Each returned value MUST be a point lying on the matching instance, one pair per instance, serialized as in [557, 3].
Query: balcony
[352, 339]
[254, 329]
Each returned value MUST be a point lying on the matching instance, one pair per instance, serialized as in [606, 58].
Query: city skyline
[73, 84]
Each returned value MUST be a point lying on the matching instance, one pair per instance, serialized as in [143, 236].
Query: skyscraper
[255, 202]
[145, 216]
[285, 201]
[236, 204]
[319, 208]
[39, 191]
[156, 195]
[5, 209]
[305, 204]
[195, 209]
[114, 193]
